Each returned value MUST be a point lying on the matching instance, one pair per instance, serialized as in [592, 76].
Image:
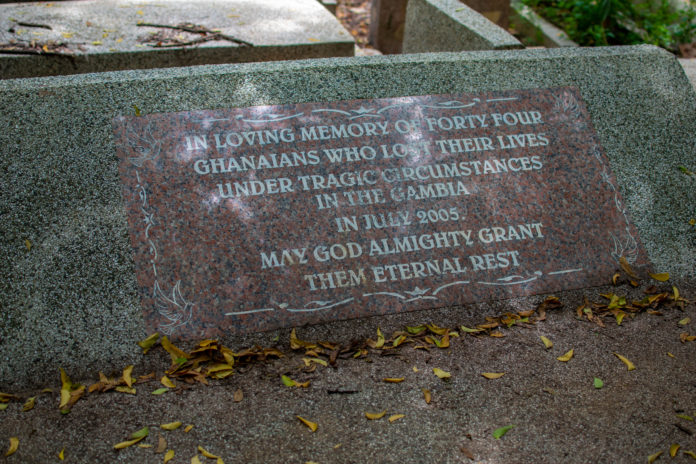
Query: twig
[42, 26]
[342, 392]
[194, 29]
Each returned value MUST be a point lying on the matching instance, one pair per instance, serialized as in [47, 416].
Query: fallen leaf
[685, 417]
[653, 457]
[195, 460]
[691, 454]
[441, 374]
[628, 363]
[61, 455]
[566, 357]
[188, 428]
[312, 425]
[415, 369]
[380, 339]
[498, 433]
[144, 445]
[142, 433]
[207, 454]
[468, 330]
[168, 456]
[465, 451]
[673, 449]
[427, 395]
[627, 267]
[615, 278]
[171, 425]
[416, 330]
[308, 361]
[547, 343]
[375, 415]
[685, 321]
[670, 355]
[496, 334]
[150, 341]
[127, 376]
[173, 351]
[167, 382]
[661, 277]
[396, 417]
[598, 383]
[620, 317]
[548, 390]
[399, 340]
[5, 397]
[137, 110]
[29, 405]
[27, 244]
[14, 444]
[394, 380]
[124, 389]
[69, 392]
[312, 39]
[3, 406]
[160, 391]
[127, 443]
[161, 444]
[493, 375]
[238, 395]
[139, 12]
[297, 344]
[97, 42]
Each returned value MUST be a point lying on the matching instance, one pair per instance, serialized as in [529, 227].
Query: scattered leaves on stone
[313, 426]
[499, 433]
[629, 365]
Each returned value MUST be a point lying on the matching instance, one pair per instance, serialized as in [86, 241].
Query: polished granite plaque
[250, 219]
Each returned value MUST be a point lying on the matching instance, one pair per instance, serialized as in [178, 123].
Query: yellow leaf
[427, 395]
[380, 339]
[653, 457]
[168, 456]
[173, 351]
[396, 417]
[67, 35]
[149, 342]
[296, 343]
[627, 267]
[188, 428]
[440, 373]
[167, 382]
[97, 42]
[673, 449]
[61, 455]
[375, 415]
[127, 443]
[29, 405]
[312, 39]
[127, 376]
[566, 357]
[628, 363]
[144, 445]
[307, 361]
[3, 406]
[670, 354]
[685, 321]
[195, 460]
[123, 389]
[493, 375]
[105, 35]
[415, 369]
[394, 380]
[119, 40]
[207, 454]
[219, 461]
[312, 425]
[139, 12]
[27, 244]
[691, 454]
[171, 425]
[14, 444]
[547, 343]
[661, 277]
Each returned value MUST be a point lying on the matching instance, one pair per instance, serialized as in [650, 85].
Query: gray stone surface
[527, 22]
[448, 26]
[689, 65]
[105, 36]
[71, 300]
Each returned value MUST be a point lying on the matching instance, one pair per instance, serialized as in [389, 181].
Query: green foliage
[619, 22]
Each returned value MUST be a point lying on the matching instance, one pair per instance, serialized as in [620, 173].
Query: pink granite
[244, 220]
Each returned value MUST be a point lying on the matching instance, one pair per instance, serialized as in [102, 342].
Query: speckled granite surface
[68, 290]
[450, 25]
[96, 36]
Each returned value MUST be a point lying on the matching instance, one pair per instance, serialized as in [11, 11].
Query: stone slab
[448, 25]
[69, 293]
[415, 203]
[96, 36]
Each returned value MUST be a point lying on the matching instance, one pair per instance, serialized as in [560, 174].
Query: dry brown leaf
[313, 426]
[465, 451]
[627, 267]
[161, 444]
[375, 415]
[238, 395]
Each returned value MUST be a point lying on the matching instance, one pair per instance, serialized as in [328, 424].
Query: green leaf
[415, 330]
[598, 383]
[498, 433]
[287, 381]
[159, 391]
[685, 417]
[142, 433]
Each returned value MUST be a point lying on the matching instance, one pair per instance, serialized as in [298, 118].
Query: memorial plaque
[250, 219]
